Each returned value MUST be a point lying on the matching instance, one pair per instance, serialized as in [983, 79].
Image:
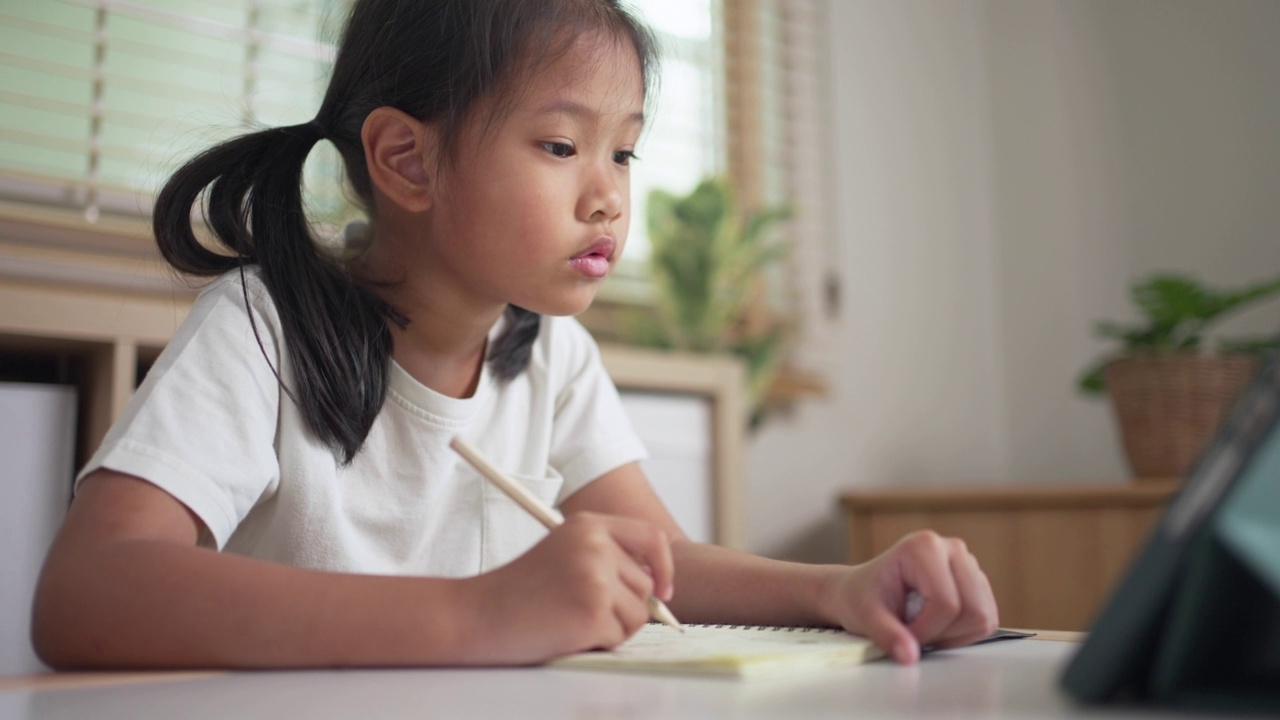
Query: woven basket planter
[1169, 406]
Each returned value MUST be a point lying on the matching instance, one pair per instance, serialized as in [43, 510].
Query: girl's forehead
[600, 75]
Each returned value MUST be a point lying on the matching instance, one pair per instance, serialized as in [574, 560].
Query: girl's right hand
[582, 587]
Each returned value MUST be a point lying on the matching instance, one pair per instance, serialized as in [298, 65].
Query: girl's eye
[624, 157]
[559, 149]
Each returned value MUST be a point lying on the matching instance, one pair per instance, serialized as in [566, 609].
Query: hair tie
[318, 129]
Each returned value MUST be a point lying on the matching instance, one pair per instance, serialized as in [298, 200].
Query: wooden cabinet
[1052, 553]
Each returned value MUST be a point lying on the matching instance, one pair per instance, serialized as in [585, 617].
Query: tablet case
[1195, 622]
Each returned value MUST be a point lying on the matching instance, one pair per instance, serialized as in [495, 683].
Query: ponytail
[510, 354]
[335, 332]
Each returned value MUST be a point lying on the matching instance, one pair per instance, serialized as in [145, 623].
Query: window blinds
[779, 136]
[101, 99]
[798, 145]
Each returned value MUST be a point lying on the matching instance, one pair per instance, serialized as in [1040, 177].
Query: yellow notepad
[732, 650]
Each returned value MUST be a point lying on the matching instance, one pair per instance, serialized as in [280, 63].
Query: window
[101, 99]
[683, 142]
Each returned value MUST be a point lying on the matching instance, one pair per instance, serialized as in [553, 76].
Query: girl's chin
[566, 305]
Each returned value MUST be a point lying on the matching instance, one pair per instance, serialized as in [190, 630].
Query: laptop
[1195, 621]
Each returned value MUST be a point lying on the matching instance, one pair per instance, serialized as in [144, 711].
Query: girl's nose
[602, 199]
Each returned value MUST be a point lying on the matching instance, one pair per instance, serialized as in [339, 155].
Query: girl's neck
[443, 345]
[455, 374]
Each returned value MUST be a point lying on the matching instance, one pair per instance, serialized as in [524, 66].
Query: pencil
[543, 514]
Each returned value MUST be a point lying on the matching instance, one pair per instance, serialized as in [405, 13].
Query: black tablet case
[1195, 622]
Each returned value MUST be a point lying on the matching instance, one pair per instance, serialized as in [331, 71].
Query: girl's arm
[125, 585]
[716, 584]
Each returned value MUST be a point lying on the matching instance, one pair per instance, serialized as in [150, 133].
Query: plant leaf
[1093, 381]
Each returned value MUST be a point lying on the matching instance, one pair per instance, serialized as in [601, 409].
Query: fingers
[647, 545]
[958, 606]
[628, 559]
[632, 612]
[883, 628]
[627, 605]
[586, 585]
[977, 619]
[634, 578]
[930, 575]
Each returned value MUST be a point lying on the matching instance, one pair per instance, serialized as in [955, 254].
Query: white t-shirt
[211, 426]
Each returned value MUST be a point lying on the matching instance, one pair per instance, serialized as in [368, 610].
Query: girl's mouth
[594, 261]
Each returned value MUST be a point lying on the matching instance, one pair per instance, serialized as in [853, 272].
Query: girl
[280, 492]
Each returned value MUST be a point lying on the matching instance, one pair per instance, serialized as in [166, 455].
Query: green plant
[1177, 313]
[707, 259]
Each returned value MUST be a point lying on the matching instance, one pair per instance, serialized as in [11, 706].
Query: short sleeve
[202, 426]
[591, 433]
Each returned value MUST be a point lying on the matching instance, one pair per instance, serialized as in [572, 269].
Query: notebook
[745, 651]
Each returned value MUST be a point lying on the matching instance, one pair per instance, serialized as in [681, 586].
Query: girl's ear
[400, 152]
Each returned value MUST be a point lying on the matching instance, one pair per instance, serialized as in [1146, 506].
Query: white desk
[1011, 679]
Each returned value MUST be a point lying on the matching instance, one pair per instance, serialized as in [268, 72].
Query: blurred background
[968, 186]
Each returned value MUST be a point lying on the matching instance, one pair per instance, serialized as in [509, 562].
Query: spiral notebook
[730, 650]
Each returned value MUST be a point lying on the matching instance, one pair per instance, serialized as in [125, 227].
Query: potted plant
[707, 260]
[1169, 386]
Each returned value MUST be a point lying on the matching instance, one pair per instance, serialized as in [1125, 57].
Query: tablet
[1151, 641]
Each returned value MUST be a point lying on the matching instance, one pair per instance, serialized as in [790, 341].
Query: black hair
[432, 60]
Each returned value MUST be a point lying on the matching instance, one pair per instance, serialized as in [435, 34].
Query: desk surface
[1011, 679]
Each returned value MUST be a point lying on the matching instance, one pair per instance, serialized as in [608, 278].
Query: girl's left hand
[871, 599]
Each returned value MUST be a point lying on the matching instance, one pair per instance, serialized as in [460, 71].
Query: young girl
[280, 492]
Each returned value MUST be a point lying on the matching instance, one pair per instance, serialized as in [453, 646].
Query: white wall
[1003, 168]
[917, 389]
[1062, 198]
[1131, 137]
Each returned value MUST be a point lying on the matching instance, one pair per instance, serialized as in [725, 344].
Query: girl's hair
[432, 59]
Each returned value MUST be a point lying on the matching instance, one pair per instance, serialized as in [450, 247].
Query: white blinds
[797, 139]
[779, 140]
[101, 99]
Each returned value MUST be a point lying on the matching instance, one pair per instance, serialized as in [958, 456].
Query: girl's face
[534, 211]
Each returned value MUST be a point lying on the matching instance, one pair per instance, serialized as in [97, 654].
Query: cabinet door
[676, 428]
